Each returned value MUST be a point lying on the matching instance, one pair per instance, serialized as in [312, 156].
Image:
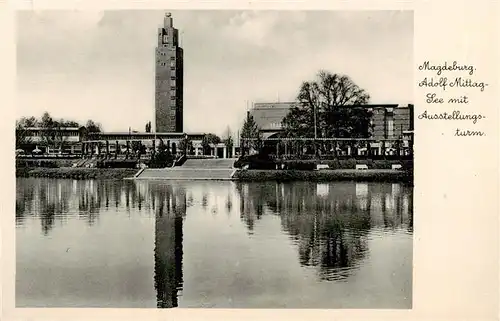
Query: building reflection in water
[331, 224]
[53, 201]
[170, 210]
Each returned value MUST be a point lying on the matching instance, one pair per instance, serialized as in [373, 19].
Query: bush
[303, 165]
[76, 173]
[263, 162]
[161, 159]
[37, 163]
[257, 161]
[322, 176]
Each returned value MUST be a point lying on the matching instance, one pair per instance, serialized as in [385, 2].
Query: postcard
[227, 160]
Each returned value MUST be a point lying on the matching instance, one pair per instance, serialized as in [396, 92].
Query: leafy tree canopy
[333, 100]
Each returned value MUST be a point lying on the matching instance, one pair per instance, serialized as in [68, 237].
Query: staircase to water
[193, 169]
[209, 163]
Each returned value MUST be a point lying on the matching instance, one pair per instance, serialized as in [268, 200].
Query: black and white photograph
[214, 159]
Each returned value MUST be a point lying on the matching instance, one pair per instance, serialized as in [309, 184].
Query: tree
[48, 132]
[163, 158]
[93, 127]
[332, 102]
[27, 122]
[186, 145]
[68, 123]
[250, 134]
[138, 148]
[228, 139]
[22, 134]
[209, 139]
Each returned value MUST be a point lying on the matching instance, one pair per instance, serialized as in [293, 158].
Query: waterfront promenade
[217, 169]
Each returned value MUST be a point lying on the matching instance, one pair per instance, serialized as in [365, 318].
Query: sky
[83, 65]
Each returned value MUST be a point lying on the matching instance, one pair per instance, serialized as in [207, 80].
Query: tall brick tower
[169, 79]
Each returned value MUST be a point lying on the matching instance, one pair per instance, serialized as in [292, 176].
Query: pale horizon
[100, 65]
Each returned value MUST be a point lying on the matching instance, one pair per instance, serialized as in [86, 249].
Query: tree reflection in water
[329, 223]
[53, 200]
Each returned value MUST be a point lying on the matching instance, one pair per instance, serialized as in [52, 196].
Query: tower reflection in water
[169, 204]
[331, 225]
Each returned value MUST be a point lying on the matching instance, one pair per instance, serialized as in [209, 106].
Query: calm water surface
[213, 244]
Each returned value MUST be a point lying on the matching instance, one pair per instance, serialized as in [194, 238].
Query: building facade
[389, 121]
[269, 116]
[52, 140]
[169, 81]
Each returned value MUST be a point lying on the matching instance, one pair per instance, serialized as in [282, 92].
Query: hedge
[76, 173]
[351, 163]
[324, 175]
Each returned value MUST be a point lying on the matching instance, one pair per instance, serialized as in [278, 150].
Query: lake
[208, 244]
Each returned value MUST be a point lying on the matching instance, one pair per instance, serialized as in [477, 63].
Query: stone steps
[186, 174]
[226, 163]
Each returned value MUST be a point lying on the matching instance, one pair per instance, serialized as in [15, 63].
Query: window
[390, 127]
[172, 77]
[172, 63]
[164, 46]
[172, 87]
[172, 93]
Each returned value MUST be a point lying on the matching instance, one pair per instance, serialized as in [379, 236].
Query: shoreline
[370, 175]
[76, 173]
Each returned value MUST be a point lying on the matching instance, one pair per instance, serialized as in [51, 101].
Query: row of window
[275, 125]
[172, 104]
[172, 58]
[67, 134]
[159, 85]
[172, 66]
[389, 126]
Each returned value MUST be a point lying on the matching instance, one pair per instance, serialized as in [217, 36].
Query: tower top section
[167, 21]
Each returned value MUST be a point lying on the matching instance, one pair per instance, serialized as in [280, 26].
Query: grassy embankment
[76, 173]
[61, 168]
[372, 175]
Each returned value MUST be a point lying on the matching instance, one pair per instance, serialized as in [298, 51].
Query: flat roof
[285, 105]
[143, 134]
